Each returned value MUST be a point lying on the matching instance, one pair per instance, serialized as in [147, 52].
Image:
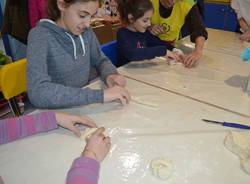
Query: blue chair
[110, 50]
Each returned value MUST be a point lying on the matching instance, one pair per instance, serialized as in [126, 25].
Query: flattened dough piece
[245, 164]
[162, 167]
[239, 144]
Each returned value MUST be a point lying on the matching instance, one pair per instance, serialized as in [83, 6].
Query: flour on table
[162, 167]
[239, 144]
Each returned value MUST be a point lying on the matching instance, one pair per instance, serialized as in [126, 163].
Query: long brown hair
[53, 11]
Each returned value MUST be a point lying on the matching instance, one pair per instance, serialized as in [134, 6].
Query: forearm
[199, 43]
[84, 170]
[16, 128]
[243, 25]
[145, 53]
[52, 95]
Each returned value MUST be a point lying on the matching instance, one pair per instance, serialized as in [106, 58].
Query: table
[219, 80]
[139, 134]
[171, 126]
[219, 41]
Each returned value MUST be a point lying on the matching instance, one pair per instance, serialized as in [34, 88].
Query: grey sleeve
[42, 92]
[98, 59]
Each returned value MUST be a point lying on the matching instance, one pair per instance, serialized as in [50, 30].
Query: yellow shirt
[173, 24]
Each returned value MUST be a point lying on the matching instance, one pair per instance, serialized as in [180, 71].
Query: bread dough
[245, 164]
[162, 167]
[87, 133]
[239, 144]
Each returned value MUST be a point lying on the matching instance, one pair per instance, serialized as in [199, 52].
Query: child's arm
[243, 25]
[84, 170]
[16, 128]
[153, 40]
[128, 49]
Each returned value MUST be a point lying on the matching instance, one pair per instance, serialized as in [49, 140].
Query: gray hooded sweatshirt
[59, 65]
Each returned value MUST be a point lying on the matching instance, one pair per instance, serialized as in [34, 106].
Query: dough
[245, 164]
[239, 144]
[87, 133]
[162, 167]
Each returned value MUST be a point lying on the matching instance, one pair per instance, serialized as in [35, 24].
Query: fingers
[107, 141]
[125, 98]
[99, 131]
[156, 30]
[75, 130]
[85, 120]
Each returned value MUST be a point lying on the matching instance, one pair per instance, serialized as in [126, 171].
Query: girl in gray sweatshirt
[61, 53]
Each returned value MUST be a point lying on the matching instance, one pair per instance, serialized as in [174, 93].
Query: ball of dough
[162, 167]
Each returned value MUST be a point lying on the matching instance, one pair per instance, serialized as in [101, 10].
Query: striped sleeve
[16, 128]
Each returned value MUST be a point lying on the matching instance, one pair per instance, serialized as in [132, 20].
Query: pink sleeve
[84, 170]
[16, 128]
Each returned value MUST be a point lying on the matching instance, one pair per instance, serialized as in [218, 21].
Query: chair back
[110, 50]
[13, 79]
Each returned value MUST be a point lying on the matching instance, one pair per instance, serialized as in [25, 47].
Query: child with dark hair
[134, 41]
[61, 52]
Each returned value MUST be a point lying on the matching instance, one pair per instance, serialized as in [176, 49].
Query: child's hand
[245, 36]
[115, 80]
[156, 30]
[116, 93]
[174, 55]
[68, 121]
[97, 146]
[192, 59]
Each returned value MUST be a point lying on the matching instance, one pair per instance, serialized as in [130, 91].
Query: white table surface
[140, 133]
[220, 79]
[220, 41]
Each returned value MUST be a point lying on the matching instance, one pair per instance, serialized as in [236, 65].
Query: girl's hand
[97, 146]
[68, 121]
[192, 59]
[115, 80]
[116, 93]
[156, 30]
[245, 36]
[174, 56]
